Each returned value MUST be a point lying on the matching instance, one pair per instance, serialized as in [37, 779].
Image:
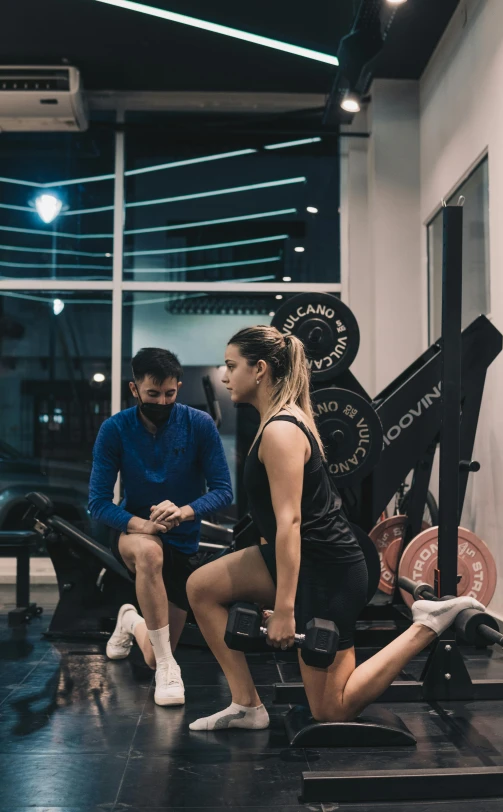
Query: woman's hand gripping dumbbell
[318, 645]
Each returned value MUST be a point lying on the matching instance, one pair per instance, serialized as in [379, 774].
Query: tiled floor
[79, 733]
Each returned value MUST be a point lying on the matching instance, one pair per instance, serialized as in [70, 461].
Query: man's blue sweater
[173, 464]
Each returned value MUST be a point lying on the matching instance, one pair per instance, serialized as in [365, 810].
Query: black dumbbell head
[320, 643]
[243, 626]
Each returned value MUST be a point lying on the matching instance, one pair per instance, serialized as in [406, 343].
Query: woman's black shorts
[176, 569]
[331, 591]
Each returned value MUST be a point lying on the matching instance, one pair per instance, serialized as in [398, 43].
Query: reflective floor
[79, 733]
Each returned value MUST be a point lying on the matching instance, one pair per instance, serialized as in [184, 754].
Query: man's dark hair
[159, 364]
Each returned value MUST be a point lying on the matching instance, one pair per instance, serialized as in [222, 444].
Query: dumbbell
[318, 645]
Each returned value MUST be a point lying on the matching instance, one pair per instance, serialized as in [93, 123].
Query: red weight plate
[388, 538]
[476, 565]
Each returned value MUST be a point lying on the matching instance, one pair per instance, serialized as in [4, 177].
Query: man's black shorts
[177, 567]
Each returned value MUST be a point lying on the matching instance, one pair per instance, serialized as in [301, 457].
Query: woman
[311, 565]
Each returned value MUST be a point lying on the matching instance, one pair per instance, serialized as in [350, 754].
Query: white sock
[130, 620]
[439, 615]
[234, 716]
[161, 645]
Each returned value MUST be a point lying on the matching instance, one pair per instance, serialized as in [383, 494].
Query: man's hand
[137, 525]
[169, 512]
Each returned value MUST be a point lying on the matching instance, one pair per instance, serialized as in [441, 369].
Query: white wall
[380, 235]
[356, 269]
[461, 116]
[394, 215]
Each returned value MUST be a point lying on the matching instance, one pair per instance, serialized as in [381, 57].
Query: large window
[55, 385]
[168, 232]
[220, 205]
[56, 205]
[476, 291]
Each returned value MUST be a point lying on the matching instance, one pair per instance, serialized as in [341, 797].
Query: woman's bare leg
[239, 576]
[342, 691]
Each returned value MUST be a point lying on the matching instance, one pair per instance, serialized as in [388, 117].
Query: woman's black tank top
[325, 531]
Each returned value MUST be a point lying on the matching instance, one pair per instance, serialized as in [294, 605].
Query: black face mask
[157, 413]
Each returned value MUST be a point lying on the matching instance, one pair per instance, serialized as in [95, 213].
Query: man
[165, 452]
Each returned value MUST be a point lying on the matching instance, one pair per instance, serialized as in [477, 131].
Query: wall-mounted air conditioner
[41, 99]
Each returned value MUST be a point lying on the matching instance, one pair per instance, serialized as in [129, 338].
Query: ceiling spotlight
[312, 209]
[279, 296]
[108, 255]
[396, 2]
[48, 207]
[272, 313]
[58, 306]
[287, 279]
[299, 249]
[98, 377]
[351, 103]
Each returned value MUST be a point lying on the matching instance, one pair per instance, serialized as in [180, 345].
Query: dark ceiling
[117, 49]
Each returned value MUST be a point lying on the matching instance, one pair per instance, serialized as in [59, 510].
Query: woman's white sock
[439, 615]
[234, 716]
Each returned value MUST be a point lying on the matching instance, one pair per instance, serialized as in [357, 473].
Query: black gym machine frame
[445, 676]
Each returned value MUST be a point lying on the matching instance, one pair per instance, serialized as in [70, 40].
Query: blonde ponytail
[290, 376]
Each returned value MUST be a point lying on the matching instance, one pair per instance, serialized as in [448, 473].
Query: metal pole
[451, 401]
[117, 279]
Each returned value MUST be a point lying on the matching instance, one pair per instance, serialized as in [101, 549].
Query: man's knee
[146, 552]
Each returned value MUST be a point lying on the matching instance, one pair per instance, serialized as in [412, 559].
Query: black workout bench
[19, 544]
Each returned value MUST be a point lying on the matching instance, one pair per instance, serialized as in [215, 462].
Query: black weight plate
[326, 327]
[351, 432]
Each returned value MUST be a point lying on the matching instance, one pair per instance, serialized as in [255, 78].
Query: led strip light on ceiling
[226, 31]
[214, 266]
[299, 143]
[159, 167]
[194, 196]
[255, 241]
[212, 246]
[220, 221]
[47, 265]
[26, 250]
[142, 270]
[40, 232]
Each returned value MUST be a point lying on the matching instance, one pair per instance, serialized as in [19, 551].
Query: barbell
[475, 627]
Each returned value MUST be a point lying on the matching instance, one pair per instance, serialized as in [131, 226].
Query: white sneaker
[119, 644]
[169, 688]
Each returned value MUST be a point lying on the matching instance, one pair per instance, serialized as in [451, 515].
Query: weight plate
[387, 536]
[326, 327]
[476, 565]
[351, 432]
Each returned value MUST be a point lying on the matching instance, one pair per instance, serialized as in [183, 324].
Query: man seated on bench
[166, 454]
